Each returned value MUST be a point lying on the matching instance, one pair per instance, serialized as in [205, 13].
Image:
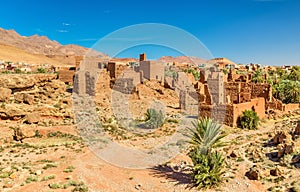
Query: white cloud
[62, 31]
[66, 24]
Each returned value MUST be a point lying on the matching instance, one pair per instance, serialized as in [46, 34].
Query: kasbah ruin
[220, 96]
[41, 141]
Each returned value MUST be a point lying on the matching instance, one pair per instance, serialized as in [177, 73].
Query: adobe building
[126, 77]
[84, 81]
[151, 70]
[221, 63]
[67, 74]
[226, 101]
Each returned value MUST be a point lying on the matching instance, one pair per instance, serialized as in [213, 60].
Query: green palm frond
[206, 134]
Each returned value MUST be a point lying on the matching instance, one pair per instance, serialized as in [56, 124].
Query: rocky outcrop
[4, 94]
[35, 98]
[32, 118]
[24, 98]
[17, 82]
[21, 132]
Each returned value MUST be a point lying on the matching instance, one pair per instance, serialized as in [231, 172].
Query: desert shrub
[249, 120]
[18, 71]
[46, 178]
[207, 164]
[69, 169]
[195, 73]
[207, 169]
[154, 118]
[41, 70]
[31, 179]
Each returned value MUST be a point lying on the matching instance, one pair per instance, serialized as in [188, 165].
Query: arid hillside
[39, 49]
[14, 54]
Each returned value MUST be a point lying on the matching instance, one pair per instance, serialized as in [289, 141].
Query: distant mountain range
[39, 44]
[182, 59]
[40, 49]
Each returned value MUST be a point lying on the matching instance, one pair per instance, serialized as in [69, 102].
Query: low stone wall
[290, 107]
[258, 105]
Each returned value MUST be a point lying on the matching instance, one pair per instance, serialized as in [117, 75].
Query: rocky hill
[182, 59]
[40, 44]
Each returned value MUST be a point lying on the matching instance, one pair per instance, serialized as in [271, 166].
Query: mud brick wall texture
[229, 114]
[66, 76]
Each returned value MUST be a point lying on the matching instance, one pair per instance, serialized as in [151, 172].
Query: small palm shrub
[154, 118]
[208, 164]
[249, 120]
[208, 169]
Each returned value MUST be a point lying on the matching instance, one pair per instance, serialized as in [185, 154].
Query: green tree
[294, 74]
[287, 91]
[257, 76]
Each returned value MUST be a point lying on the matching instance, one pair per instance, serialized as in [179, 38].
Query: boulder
[24, 98]
[32, 118]
[5, 94]
[279, 137]
[253, 173]
[11, 112]
[284, 149]
[22, 132]
[276, 172]
[297, 129]
[296, 159]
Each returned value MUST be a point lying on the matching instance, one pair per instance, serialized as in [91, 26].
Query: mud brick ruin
[66, 74]
[225, 97]
[220, 96]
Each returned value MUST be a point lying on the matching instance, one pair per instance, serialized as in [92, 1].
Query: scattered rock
[8, 185]
[138, 186]
[296, 159]
[13, 176]
[24, 98]
[297, 129]
[32, 118]
[284, 149]
[5, 94]
[38, 172]
[276, 172]
[234, 154]
[280, 137]
[22, 132]
[253, 173]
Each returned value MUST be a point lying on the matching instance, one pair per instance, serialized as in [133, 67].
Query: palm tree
[206, 135]
[257, 76]
[293, 91]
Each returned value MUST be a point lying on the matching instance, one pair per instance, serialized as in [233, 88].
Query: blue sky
[258, 31]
